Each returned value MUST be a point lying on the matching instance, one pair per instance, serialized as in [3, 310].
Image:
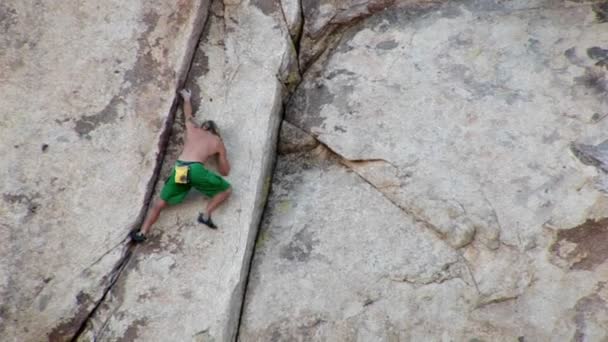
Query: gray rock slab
[473, 120]
[86, 87]
[186, 282]
[463, 115]
[335, 260]
[323, 20]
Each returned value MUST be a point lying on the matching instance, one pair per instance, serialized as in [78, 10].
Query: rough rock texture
[336, 261]
[292, 12]
[186, 283]
[324, 20]
[87, 88]
[442, 175]
[292, 139]
[461, 123]
[462, 116]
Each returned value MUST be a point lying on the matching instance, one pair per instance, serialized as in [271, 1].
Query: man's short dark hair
[211, 126]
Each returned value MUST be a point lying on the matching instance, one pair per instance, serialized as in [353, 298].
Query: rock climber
[202, 141]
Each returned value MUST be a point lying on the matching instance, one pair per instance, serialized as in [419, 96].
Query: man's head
[209, 125]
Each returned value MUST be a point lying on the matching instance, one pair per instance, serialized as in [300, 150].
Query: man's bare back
[200, 145]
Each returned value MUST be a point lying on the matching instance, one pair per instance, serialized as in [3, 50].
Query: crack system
[327, 41]
[162, 149]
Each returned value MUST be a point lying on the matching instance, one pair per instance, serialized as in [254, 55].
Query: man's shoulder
[211, 140]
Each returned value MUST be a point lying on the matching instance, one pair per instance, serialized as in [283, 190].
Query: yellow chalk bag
[181, 174]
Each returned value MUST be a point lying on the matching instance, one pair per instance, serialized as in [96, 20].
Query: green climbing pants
[203, 180]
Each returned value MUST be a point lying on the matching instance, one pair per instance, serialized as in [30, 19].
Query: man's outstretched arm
[189, 118]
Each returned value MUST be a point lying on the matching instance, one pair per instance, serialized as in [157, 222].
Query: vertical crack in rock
[298, 39]
[243, 297]
[114, 275]
[289, 73]
[163, 144]
[286, 97]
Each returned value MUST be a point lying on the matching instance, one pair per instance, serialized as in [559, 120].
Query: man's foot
[206, 220]
[137, 236]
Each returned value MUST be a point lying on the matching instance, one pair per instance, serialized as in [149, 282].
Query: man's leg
[215, 202]
[171, 193]
[153, 215]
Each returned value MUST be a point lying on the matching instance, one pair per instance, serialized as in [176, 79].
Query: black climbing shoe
[207, 222]
[137, 236]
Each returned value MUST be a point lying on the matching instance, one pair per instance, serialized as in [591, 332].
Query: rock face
[186, 283]
[323, 21]
[460, 116]
[441, 173]
[337, 261]
[87, 88]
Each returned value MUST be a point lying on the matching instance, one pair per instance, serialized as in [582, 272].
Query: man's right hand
[186, 94]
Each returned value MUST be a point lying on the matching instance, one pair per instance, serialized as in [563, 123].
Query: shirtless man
[201, 143]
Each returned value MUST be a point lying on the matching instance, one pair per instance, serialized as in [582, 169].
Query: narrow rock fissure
[255, 241]
[286, 99]
[163, 144]
[114, 275]
[298, 40]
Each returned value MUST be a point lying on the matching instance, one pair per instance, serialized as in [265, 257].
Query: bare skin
[199, 146]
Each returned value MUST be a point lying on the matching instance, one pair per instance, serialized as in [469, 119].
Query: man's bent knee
[160, 204]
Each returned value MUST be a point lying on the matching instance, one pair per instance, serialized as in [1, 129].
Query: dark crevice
[286, 98]
[255, 241]
[163, 144]
[298, 38]
[114, 275]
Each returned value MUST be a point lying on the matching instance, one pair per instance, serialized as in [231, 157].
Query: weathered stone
[592, 155]
[441, 111]
[87, 88]
[293, 139]
[461, 115]
[292, 10]
[325, 19]
[186, 282]
[336, 261]
[456, 190]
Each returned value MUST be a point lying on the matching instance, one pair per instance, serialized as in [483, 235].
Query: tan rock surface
[442, 177]
[323, 21]
[462, 122]
[337, 261]
[462, 115]
[186, 282]
[87, 88]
